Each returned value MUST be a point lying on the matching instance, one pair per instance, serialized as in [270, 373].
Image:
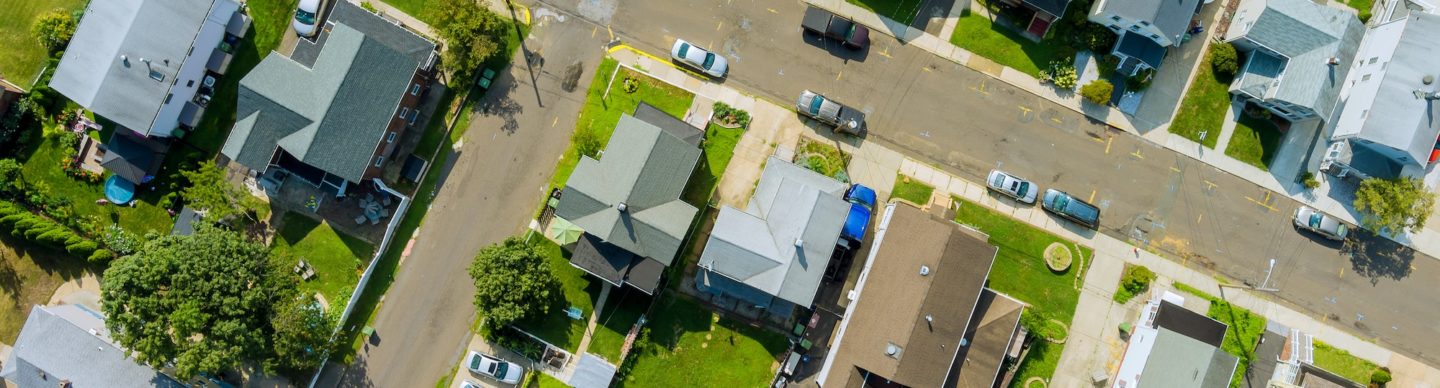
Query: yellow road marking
[772, 10]
[594, 30]
[718, 24]
[837, 75]
[926, 69]
[1211, 184]
[1342, 272]
[885, 53]
[557, 121]
[1202, 216]
[1137, 154]
[1107, 144]
[1023, 108]
[611, 30]
[980, 88]
[1172, 168]
[1056, 120]
[1263, 204]
[1267, 197]
[1092, 196]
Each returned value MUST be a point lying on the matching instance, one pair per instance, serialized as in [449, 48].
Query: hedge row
[26, 225]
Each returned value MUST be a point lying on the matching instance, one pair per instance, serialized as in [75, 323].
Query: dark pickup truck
[845, 119]
[831, 26]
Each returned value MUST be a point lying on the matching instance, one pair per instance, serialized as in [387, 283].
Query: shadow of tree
[1377, 257]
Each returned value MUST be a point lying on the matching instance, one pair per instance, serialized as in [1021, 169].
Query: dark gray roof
[133, 157]
[70, 342]
[1053, 7]
[1398, 118]
[163, 33]
[1190, 323]
[606, 261]
[331, 115]
[1171, 17]
[645, 169]
[1141, 48]
[1308, 35]
[791, 206]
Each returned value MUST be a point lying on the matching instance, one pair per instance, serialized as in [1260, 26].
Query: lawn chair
[384, 213]
[360, 219]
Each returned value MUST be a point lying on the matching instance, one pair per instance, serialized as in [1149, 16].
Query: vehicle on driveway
[1320, 223]
[701, 59]
[500, 370]
[305, 17]
[826, 24]
[468, 384]
[862, 204]
[845, 119]
[1071, 208]
[1012, 186]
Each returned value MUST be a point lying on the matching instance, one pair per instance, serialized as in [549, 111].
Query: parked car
[1071, 208]
[1320, 223]
[305, 17]
[829, 25]
[1012, 186]
[862, 204]
[845, 119]
[699, 58]
[468, 384]
[500, 370]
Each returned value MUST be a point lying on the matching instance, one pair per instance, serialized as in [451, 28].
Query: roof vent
[622, 206]
[892, 350]
[125, 59]
[924, 270]
[1429, 79]
[964, 342]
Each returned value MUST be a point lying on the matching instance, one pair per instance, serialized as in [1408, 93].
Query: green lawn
[912, 190]
[622, 309]
[23, 55]
[338, 258]
[601, 113]
[824, 158]
[690, 346]
[28, 276]
[1044, 356]
[1019, 271]
[1255, 141]
[542, 380]
[1363, 7]
[719, 148]
[1203, 109]
[982, 36]
[1343, 363]
[902, 11]
[580, 291]
[42, 168]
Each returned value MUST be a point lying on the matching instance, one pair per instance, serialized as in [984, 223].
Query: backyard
[42, 171]
[1203, 110]
[912, 190]
[1343, 363]
[986, 36]
[1255, 141]
[337, 258]
[718, 148]
[1020, 271]
[23, 55]
[902, 11]
[556, 327]
[601, 111]
[689, 345]
[29, 276]
[622, 309]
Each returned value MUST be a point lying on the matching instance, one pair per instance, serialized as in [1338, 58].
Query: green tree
[472, 34]
[54, 29]
[209, 191]
[201, 303]
[302, 336]
[1224, 61]
[1393, 205]
[10, 179]
[1097, 91]
[512, 283]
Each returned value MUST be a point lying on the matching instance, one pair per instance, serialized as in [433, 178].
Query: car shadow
[835, 48]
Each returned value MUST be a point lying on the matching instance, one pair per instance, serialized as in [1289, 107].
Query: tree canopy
[54, 29]
[512, 283]
[209, 191]
[471, 31]
[302, 336]
[1393, 205]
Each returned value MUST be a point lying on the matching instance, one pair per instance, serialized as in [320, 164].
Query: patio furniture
[360, 220]
[304, 269]
[385, 200]
[375, 221]
[574, 313]
[384, 213]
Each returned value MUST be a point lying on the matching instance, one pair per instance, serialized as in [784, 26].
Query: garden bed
[823, 158]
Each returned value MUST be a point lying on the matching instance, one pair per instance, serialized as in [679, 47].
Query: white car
[305, 17]
[500, 370]
[468, 384]
[1324, 225]
[699, 58]
[1012, 186]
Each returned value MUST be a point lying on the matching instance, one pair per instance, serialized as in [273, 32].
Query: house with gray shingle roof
[333, 110]
[773, 254]
[70, 344]
[628, 201]
[1297, 55]
[1145, 30]
[1388, 124]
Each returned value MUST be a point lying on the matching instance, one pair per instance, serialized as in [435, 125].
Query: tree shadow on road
[1377, 257]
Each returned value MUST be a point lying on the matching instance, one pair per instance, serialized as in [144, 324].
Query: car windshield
[1060, 201]
[815, 105]
[684, 48]
[1315, 220]
[304, 17]
[1342, 230]
[475, 363]
[998, 181]
[1024, 187]
[709, 60]
[499, 369]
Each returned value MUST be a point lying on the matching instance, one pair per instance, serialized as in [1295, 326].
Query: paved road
[968, 122]
[491, 192]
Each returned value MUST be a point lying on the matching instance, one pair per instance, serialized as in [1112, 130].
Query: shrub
[588, 143]
[366, 6]
[1308, 179]
[1062, 74]
[1224, 61]
[1097, 91]
[730, 116]
[1135, 281]
[1141, 80]
[54, 29]
[1380, 377]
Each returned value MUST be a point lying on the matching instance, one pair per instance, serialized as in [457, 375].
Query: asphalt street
[968, 122]
[491, 191]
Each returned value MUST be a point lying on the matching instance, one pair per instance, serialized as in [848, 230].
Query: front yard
[1255, 142]
[689, 346]
[984, 35]
[338, 258]
[911, 189]
[1343, 363]
[580, 292]
[1203, 109]
[1020, 271]
[23, 55]
[718, 149]
[826, 159]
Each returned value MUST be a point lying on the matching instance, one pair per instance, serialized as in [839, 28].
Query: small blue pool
[118, 190]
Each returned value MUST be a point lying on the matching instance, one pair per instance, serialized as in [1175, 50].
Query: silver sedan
[1320, 223]
[699, 58]
[1012, 186]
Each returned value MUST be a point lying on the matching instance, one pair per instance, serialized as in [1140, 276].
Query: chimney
[622, 207]
[1334, 61]
[799, 243]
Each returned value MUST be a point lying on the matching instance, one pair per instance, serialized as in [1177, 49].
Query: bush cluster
[1097, 91]
[34, 228]
[1224, 61]
[730, 116]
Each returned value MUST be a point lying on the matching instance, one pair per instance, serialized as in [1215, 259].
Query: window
[1115, 18]
[415, 90]
[158, 76]
[404, 110]
[1373, 59]
[1134, 27]
[1154, 37]
[1144, 23]
[379, 160]
[1365, 77]
[189, 83]
[413, 115]
[1365, 113]
[1114, 27]
[168, 96]
[390, 138]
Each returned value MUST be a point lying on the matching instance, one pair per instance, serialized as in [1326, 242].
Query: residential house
[1285, 358]
[331, 113]
[69, 346]
[628, 202]
[921, 315]
[149, 65]
[1388, 122]
[1297, 55]
[1145, 29]
[1041, 14]
[773, 254]
[1175, 348]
